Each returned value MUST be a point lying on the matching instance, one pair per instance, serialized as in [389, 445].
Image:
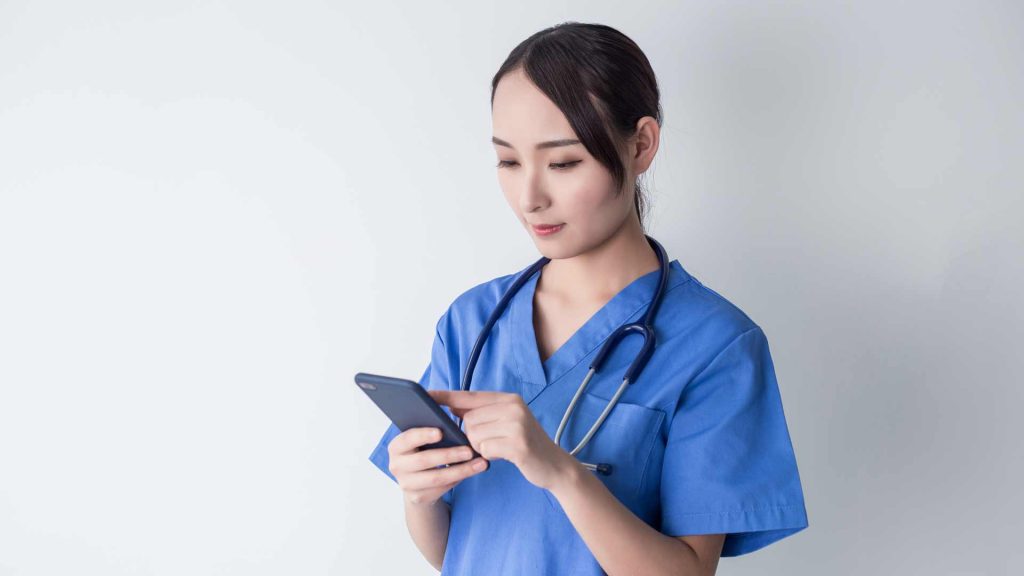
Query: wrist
[568, 476]
[424, 505]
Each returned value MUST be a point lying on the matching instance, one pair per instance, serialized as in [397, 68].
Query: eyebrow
[541, 145]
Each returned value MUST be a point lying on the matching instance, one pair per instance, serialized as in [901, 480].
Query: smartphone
[408, 405]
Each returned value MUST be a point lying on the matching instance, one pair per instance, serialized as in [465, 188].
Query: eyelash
[556, 165]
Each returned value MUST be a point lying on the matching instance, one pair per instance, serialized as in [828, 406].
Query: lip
[547, 229]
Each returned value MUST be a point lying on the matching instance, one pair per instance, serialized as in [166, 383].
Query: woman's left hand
[501, 425]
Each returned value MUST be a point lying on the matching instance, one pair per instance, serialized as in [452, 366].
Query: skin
[423, 481]
[600, 249]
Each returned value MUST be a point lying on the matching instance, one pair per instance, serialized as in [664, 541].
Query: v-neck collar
[623, 307]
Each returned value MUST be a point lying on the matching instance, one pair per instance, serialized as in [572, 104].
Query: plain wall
[212, 214]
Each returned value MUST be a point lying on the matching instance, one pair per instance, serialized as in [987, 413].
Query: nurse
[702, 461]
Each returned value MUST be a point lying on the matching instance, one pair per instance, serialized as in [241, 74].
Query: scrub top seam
[515, 353]
[738, 510]
[710, 362]
[650, 448]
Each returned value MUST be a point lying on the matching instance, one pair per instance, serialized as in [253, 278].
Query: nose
[533, 195]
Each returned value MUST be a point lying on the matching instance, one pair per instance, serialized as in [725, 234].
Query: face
[559, 183]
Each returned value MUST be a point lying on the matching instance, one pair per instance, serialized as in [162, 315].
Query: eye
[565, 165]
[555, 165]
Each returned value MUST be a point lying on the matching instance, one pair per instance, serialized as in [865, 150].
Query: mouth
[547, 229]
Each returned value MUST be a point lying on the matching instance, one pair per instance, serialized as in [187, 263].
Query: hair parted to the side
[600, 80]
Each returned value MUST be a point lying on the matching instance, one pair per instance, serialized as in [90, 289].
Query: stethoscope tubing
[644, 327]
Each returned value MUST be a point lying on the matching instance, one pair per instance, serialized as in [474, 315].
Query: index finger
[469, 398]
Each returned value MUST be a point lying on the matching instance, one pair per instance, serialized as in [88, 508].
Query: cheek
[593, 199]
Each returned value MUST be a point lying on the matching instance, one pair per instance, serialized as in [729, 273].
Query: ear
[644, 144]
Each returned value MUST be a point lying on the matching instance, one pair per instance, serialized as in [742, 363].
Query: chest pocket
[624, 440]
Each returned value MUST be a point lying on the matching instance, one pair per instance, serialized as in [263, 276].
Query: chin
[556, 250]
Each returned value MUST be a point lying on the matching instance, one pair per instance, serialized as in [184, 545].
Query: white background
[212, 214]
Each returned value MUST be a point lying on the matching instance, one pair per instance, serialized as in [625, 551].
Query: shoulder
[485, 294]
[471, 308]
[700, 328]
[693, 311]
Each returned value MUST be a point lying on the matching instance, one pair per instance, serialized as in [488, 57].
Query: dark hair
[600, 80]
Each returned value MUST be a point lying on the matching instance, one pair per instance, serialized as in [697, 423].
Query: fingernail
[479, 465]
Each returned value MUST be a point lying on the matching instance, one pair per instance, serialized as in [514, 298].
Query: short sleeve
[435, 377]
[729, 465]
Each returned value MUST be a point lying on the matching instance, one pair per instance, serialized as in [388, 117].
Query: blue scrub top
[698, 443]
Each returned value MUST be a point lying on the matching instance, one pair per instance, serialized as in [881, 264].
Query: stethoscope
[645, 327]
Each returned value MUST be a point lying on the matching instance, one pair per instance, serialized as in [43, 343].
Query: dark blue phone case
[408, 405]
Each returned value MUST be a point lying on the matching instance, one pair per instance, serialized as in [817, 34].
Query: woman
[701, 460]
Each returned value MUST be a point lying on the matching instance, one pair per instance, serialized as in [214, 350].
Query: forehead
[523, 115]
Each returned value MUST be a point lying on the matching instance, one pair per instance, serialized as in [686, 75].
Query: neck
[603, 271]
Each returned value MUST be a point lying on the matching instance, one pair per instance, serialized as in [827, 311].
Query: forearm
[621, 542]
[428, 526]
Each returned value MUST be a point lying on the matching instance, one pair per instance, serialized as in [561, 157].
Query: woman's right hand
[416, 470]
